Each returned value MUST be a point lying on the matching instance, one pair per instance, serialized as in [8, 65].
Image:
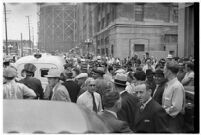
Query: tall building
[85, 28]
[123, 29]
[57, 26]
[186, 41]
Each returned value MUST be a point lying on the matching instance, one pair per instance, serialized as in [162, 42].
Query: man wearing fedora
[32, 82]
[13, 89]
[98, 73]
[59, 92]
[129, 102]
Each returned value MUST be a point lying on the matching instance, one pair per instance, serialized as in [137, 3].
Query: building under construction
[56, 26]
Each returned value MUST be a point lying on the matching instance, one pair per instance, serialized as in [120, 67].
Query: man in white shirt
[173, 100]
[90, 99]
[188, 79]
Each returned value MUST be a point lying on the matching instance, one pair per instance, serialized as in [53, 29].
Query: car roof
[45, 58]
[36, 116]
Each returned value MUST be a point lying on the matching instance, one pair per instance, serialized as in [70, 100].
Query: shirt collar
[122, 92]
[55, 86]
[113, 113]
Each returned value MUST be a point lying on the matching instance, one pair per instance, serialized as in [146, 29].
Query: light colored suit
[60, 93]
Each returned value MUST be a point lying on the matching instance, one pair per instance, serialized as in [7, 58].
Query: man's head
[171, 69]
[189, 66]
[149, 75]
[53, 77]
[30, 69]
[81, 78]
[91, 85]
[120, 81]
[159, 76]
[112, 101]
[98, 73]
[9, 73]
[143, 92]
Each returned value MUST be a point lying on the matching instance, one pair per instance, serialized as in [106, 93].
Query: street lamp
[10, 46]
[88, 42]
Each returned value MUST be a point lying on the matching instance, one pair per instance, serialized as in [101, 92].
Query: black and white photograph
[100, 67]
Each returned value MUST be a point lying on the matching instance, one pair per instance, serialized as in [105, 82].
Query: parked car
[40, 116]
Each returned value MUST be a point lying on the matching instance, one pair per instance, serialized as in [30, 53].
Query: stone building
[125, 28]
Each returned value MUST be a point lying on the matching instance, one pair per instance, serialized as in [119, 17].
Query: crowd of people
[133, 95]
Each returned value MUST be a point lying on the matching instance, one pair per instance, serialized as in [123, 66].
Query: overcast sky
[17, 21]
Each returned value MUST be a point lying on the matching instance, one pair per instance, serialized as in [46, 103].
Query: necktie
[94, 103]
[142, 108]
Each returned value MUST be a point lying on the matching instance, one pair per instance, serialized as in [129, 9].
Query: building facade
[123, 29]
[85, 28]
[57, 27]
[186, 30]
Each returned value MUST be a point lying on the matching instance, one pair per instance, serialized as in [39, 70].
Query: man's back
[34, 84]
[73, 89]
[128, 110]
[116, 126]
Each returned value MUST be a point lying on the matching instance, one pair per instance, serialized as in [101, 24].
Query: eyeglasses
[92, 85]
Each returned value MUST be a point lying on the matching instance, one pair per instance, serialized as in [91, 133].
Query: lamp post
[88, 42]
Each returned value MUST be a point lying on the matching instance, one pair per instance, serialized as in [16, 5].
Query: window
[98, 51]
[170, 38]
[139, 12]
[103, 51]
[175, 15]
[44, 72]
[138, 47]
[112, 50]
[107, 51]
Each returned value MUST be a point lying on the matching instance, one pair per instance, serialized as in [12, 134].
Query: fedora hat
[10, 72]
[29, 67]
[53, 73]
[99, 70]
[169, 56]
[120, 79]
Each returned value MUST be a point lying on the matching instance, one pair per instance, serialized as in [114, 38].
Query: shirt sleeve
[187, 78]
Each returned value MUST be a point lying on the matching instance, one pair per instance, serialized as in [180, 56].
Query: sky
[17, 22]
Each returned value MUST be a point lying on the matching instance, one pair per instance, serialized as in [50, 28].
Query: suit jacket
[153, 119]
[60, 93]
[115, 125]
[34, 84]
[159, 93]
[128, 109]
[73, 89]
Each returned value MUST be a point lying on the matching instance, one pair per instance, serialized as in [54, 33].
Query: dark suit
[153, 119]
[115, 125]
[159, 92]
[128, 109]
[34, 84]
[73, 89]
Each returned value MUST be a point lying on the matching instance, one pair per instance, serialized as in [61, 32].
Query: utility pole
[29, 34]
[6, 28]
[21, 46]
[33, 36]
